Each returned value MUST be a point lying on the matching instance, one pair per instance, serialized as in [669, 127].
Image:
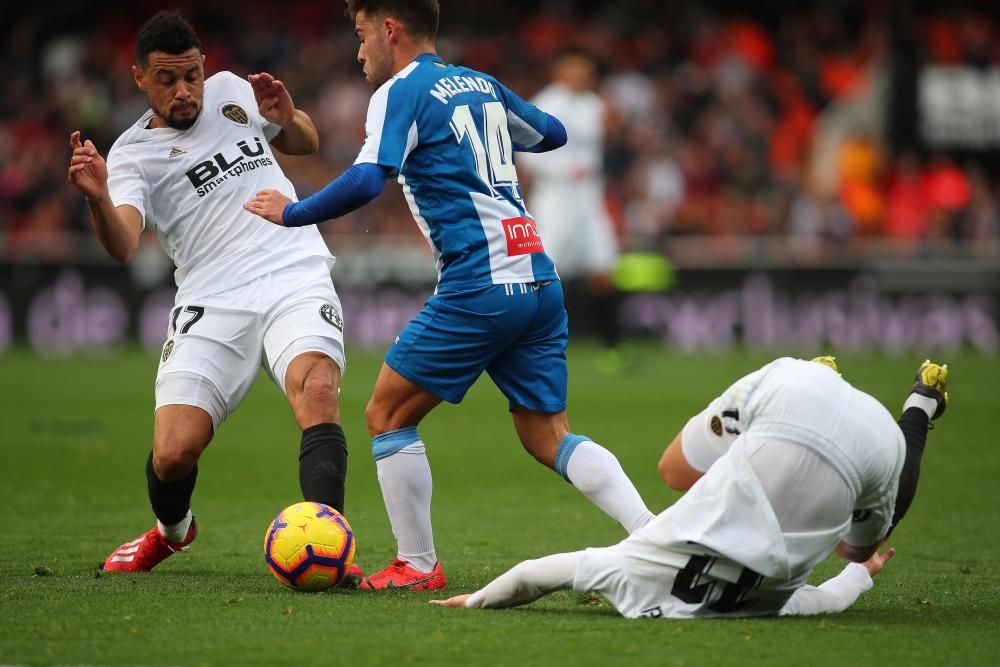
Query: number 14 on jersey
[494, 156]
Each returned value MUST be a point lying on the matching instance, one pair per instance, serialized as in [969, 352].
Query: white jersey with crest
[722, 549]
[190, 187]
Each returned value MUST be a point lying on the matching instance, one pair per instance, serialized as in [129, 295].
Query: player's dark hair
[167, 32]
[419, 16]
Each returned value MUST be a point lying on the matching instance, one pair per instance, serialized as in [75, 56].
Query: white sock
[925, 403]
[178, 531]
[598, 475]
[405, 478]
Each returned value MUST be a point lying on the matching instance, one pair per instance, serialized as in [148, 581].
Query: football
[309, 547]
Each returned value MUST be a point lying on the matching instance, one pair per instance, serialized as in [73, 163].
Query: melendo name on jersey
[449, 86]
[210, 174]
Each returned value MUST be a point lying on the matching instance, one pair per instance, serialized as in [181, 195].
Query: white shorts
[216, 346]
[576, 230]
[693, 586]
[738, 543]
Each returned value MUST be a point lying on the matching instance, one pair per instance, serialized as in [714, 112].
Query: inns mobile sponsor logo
[247, 155]
[522, 236]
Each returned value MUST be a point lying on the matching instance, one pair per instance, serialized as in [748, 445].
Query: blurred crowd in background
[727, 124]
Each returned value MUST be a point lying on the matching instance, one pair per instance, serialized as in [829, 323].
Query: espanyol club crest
[332, 316]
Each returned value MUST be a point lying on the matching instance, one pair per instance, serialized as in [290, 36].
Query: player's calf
[591, 468]
[313, 384]
[323, 465]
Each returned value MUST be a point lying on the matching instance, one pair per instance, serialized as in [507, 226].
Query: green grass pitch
[75, 433]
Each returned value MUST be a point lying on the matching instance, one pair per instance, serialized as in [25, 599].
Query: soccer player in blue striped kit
[449, 135]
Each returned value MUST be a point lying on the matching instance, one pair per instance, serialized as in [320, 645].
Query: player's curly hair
[420, 17]
[168, 32]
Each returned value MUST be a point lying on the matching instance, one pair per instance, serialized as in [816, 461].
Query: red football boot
[353, 578]
[144, 553]
[400, 575]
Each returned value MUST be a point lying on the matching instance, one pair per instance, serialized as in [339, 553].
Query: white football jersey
[726, 527]
[583, 115]
[190, 187]
[809, 403]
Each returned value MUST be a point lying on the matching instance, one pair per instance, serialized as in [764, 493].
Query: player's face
[373, 50]
[175, 85]
[577, 72]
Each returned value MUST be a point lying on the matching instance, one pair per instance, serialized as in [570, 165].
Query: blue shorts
[516, 333]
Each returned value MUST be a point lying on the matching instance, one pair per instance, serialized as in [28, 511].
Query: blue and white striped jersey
[450, 133]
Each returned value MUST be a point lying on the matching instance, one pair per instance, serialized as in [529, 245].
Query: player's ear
[137, 74]
[391, 27]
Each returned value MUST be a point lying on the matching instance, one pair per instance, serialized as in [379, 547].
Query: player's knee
[172, 463]
[315, 395]
[377, 418]
[319, 389]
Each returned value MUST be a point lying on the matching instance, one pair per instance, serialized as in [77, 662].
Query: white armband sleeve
[832, 596]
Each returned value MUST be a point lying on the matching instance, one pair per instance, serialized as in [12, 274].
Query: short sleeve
[390, 127]
[709, 434]
[526, 121]
[127, 184]
[703, 440]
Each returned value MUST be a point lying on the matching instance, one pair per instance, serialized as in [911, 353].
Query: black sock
[604, 311]
[170, 500]
[914, 424]
[323, 465]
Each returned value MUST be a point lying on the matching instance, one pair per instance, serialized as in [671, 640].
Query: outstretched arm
[838, 594]
[525, 582]
[353, 189]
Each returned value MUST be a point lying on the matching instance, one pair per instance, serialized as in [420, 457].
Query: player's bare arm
[675, 469]
[351, 190]
[298, 134]
[117, 228]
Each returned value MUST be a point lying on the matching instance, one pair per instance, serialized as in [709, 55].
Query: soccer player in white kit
[788, 464]
[567, 192]
[248, 295]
